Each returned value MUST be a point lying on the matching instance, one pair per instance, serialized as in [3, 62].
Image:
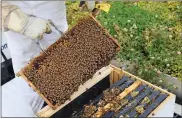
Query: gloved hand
[15, 19]
[87, 5]
[90, 6]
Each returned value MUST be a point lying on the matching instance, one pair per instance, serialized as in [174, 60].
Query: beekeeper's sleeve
[13, 18]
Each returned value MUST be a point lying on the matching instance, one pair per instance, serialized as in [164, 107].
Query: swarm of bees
[71, 61]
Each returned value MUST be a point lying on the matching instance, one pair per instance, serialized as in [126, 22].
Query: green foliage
[149, 34]
[74, 13]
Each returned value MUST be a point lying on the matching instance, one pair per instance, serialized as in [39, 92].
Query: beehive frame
[42, 55]
[115, 74]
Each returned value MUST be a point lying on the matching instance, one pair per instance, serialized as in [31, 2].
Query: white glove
[18, 21]
[91, 5]
[36, 27]
[87, 5]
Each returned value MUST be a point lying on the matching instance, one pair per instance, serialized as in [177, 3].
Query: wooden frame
[115, 74]
[42, 55]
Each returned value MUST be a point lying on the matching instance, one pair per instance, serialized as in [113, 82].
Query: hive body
[129, 97]
[70, 62]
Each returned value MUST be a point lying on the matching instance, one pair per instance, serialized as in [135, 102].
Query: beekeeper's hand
[87, 5]
[16, 20]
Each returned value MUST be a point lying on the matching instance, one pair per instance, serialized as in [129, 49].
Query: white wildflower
[132, 49]
[170, 29]
[147, 37]
[170, 36]
[125, 29]
[167, 65]
[179, 53]
[152, 57]
[160, 81]
[165, 60]
[128, 21]
[131, 35]
[158, 72]
[135, 26]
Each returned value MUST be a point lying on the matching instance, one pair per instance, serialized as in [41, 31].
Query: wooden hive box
[164, 109]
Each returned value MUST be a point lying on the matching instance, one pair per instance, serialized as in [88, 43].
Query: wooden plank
[154, 112]
[116, 68]
[105, 71]
[120, 96]
[129, 89]
[111, 78]
[120, 75]
[156, 87]
[115, 76]
[116, 71]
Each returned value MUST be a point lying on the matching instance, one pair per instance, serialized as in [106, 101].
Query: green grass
[150, 35]
[120, 13]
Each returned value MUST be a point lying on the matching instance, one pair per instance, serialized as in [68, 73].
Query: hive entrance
[70, 61]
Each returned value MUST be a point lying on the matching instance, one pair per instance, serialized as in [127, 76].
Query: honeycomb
[71, 61]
